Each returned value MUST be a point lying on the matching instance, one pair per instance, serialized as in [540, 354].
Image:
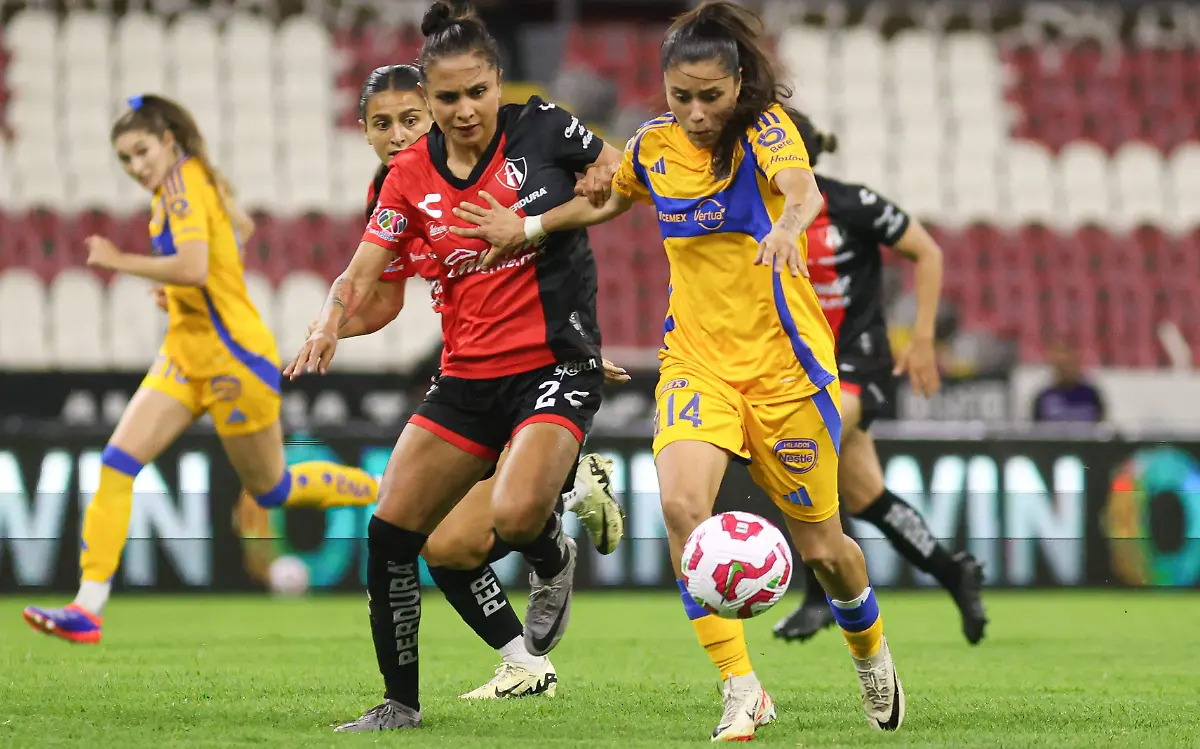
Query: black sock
[499, 549]
[480, 600]
[909, 535]
[394, 600]
[814, 594]
[547, 553]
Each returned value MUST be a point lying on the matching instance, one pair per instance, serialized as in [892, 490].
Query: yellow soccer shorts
[792, 447]
[240, 402]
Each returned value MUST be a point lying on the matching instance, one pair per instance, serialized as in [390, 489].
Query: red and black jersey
[845, 264]
[536, 309]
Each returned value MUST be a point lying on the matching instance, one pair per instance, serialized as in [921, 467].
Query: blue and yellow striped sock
[106, 521]
[321, 484]
[723, 639]
[861, 624]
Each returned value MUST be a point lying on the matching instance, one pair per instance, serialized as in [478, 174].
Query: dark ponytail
[452, 27]
[386, 78]
[723, 31]
[158, 116]
[816, 142]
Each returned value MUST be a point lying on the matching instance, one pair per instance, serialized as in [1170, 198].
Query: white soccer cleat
[882, 694]
[747, 706]
[597, 507]
[516, 680]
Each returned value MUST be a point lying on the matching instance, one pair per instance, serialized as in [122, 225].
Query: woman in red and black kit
[521, 360]
[845, 266]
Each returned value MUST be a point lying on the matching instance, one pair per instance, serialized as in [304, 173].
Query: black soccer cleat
[968, 597]
[806, 621]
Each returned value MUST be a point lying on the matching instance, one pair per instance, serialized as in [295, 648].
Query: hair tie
[135, 102]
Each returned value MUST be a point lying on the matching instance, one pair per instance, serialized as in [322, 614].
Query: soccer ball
[736, 565]
[288, 576]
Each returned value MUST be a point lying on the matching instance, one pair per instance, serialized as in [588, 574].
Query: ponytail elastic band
[135, 102]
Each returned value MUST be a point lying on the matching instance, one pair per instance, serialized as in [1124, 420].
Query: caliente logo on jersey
[512, 174]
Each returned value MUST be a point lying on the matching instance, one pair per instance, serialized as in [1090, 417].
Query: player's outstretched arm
[507, 233]
[346, 296]
[382, 305]
[919, 358]
[187, 267]
[802, 204]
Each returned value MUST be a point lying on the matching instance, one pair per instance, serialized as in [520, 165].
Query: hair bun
[829, 142]
[446, 13]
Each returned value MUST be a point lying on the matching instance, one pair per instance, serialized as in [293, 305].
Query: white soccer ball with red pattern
[736, 565]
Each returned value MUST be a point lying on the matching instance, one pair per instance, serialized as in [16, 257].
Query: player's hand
[314, 357]
[101, 253]
[159, 292]
[614, 375]
[919, 360]
[503, 229]
[780, 249]
[596, 184]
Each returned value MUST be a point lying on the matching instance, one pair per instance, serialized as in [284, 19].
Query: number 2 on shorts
[690, 411]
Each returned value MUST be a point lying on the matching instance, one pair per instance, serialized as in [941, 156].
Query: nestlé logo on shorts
[797, 455]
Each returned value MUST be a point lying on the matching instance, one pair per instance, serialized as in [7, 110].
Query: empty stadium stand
[1060, 178]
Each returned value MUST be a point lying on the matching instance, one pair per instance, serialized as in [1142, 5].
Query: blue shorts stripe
[831, 416]
[808, 361]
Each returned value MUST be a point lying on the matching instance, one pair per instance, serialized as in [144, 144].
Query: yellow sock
[725, 642]
[106, 521]
[321, 484]
[861, 623]
[723, 639]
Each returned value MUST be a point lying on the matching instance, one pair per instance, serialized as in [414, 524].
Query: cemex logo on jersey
[512, 174]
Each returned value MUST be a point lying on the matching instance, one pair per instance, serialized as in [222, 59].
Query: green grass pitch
[1059, 669]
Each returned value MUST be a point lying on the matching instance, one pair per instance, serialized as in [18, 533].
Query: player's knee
[455, 553]
[518, 516]
[683, 511]
[825, 555]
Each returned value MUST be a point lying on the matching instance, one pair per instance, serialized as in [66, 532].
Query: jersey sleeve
[183, 198]
[566, 140]
[777, 144]
[866, 213]
[389, 226]
[630, 177]
[400, 269]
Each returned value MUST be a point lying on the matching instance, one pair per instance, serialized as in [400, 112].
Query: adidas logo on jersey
[236, 417]
[660, 166]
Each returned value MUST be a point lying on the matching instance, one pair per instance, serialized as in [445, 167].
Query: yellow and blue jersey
[761, 332]
[213, 328]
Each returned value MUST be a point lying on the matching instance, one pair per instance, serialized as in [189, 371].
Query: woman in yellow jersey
[748, 367]
[218, 356]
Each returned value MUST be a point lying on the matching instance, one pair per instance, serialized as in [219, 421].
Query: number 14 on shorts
[684, 408]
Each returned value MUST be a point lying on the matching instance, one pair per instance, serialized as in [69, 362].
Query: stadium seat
[23, 330]
[1083, 181]
[135, 326]
[298, 299]
[1137, 172]
[263, 296]
[1183, 179]
[78, 325]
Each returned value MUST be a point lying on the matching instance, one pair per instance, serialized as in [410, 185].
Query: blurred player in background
[748, 368]
[218, 356]
[846, 268]
[521, 357]
[394, 115]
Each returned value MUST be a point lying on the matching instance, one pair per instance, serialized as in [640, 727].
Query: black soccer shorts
[481, 416]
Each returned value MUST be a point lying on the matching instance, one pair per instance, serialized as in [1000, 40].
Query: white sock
[571, 499]
[92, 596]
[514, 652]
[746, 680]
